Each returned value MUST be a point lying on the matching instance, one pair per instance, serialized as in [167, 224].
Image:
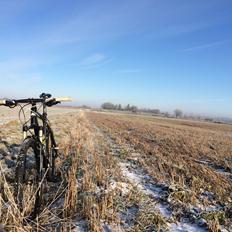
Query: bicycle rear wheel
[29, 177]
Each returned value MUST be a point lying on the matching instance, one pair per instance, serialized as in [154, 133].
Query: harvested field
[127, 173]
[192, 160]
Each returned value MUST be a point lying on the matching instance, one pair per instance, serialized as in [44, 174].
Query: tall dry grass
[89, 176]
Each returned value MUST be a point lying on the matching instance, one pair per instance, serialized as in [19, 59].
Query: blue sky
[164, 54]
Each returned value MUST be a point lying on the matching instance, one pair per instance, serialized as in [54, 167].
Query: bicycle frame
[41, 135]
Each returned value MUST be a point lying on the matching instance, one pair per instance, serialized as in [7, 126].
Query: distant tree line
[111, 106]
[132, 108]
[128, 107]
[151, 111]
[177, 113]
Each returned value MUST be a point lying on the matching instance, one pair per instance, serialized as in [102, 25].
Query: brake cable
[24, 115]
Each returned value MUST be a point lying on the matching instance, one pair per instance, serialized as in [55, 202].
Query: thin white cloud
[205, 46]
[97, 65]
[94, 59]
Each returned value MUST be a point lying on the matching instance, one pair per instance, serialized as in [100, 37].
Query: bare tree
[155, 111]
[119, 107]
[108, 106]
[134, 109]
[178, 113]
[127, 108]
[166, 114]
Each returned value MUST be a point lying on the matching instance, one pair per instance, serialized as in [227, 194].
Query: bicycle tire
[51, 154]
[28, 191]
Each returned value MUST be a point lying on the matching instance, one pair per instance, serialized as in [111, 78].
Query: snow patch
[185, 227]
[122, 186]
[164, 210]
[152, 190]
[81, 226]
[111, 228]
[157, 192]
[219, 170]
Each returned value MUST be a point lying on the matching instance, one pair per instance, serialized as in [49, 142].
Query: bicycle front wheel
[29, 179]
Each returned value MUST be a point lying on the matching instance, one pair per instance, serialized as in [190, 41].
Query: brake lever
[11, 103]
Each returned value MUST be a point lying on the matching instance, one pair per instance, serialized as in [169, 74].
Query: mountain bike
[36, 159]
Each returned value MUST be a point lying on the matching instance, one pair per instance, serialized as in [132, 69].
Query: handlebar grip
[63, 99]
[2, 102]
[54, 101]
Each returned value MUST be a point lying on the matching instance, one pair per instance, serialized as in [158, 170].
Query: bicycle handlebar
[48, 101]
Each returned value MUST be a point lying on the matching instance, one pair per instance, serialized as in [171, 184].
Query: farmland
[127, 173]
